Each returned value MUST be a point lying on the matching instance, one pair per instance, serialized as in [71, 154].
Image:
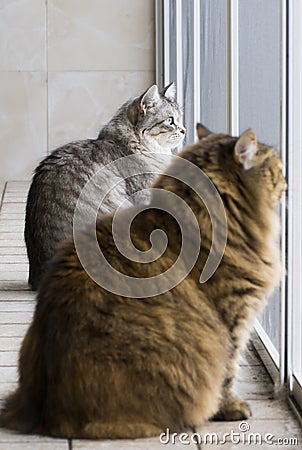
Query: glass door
[294, 335]
[238, 65]
[260, 101]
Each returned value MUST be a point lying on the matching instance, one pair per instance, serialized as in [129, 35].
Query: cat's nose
[183, 130]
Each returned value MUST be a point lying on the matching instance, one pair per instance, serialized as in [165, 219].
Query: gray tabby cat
[150, 124]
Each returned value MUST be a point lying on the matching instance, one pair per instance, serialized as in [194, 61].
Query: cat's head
[243, 160]
[241, 167]
[157, 119]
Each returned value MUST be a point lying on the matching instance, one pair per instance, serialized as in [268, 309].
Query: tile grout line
[2, 194]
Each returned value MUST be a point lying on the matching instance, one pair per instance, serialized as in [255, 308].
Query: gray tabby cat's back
[139, 126]
[52, 198]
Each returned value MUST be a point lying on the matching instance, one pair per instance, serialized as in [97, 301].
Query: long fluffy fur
[98, 365]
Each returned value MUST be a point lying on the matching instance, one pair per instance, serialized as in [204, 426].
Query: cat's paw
[235, 410]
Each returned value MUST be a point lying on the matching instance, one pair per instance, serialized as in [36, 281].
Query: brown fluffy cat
[98, 365]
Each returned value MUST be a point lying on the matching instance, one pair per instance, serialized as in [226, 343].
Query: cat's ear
[202, 131]
[246, 148]
[149, 98]
[170, 92]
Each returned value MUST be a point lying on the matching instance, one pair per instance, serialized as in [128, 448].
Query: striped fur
[98, 365]
[141, 125]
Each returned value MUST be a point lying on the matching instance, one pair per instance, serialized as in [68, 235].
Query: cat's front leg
[232, 407]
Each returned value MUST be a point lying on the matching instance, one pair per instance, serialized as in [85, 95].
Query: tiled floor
[270, 416]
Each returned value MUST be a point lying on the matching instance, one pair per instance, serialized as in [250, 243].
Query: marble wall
[65, 67]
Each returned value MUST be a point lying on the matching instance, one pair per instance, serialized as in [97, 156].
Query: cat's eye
[170, 121]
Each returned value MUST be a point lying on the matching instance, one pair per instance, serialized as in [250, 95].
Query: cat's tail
[23, 409]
